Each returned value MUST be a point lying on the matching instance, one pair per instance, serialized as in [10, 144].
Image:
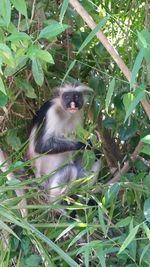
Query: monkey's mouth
[72, 108]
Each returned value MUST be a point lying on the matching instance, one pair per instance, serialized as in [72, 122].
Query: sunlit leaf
[5, 10]
[146, 149]
[146, 139]
[131, 100]
[20, 5]
[6, 55]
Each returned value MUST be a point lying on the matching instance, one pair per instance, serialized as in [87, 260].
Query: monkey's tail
[4, 167]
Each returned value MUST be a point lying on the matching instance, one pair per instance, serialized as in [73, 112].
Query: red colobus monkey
[52, 140]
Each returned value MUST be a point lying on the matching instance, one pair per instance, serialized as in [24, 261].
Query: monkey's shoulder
[41, 113]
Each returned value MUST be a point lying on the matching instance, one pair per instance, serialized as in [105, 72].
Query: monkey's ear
[56, 92]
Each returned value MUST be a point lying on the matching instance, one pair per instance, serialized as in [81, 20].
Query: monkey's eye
[67, 96]
[76, 97]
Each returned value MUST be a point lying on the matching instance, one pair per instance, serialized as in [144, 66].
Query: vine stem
[112, 51]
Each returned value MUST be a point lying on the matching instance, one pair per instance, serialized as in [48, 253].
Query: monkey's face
[72, 101]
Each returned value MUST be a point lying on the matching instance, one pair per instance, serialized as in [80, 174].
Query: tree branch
[90, 22]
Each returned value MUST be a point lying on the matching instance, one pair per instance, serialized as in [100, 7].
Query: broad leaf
[52, 30]
[131, 100]
[146, 150]
[33, 260]
[6, 55]
[20, 5]
[2, 87]
[146, 139]
[93, 33]
[26, 87]
[18, 36]
[37, 71]
[3, 99]
[137, 66]
[63, 9]
[35, 52]
[129, 238]
[13, 140]
[5, 10]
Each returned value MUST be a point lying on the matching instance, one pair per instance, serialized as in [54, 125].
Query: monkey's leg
[58, 183]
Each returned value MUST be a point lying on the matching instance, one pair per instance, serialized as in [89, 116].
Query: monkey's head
[72, 101]
[73, 97]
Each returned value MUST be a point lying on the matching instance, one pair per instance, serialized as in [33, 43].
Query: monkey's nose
[72, 104]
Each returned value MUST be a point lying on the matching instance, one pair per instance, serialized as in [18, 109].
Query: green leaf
[129, 238]
[33, 260]
[35, 52]
[18, 36]
[101, 216]
[2, 87]
[93, 33]
[142, 39]
[88, 159]
[5, 227]
[101, 255]
[63, 9]
[147, 209]
[52, 30]
[123, 222]
[5, 10]
[21, 6]
[6, 55]
[3, 99]
[109, 123]
[147, 230]
[127, 132]
[131, 100]
[13, 140]
[145, 250]
[20, 63]
[26, 87]
[110, 93]
[146, 139]
[137, 66]
[111, 194]
[37, 71]
[146, 150]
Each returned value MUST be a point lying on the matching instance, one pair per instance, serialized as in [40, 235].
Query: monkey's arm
[55, 145]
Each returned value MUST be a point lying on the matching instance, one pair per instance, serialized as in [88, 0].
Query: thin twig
[90, 22]
[126, 166]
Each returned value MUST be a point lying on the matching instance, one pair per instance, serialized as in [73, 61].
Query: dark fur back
[41, 113]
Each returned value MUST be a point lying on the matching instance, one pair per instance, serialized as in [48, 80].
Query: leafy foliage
[43, 44]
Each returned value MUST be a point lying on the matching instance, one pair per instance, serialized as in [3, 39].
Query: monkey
[52, 141]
